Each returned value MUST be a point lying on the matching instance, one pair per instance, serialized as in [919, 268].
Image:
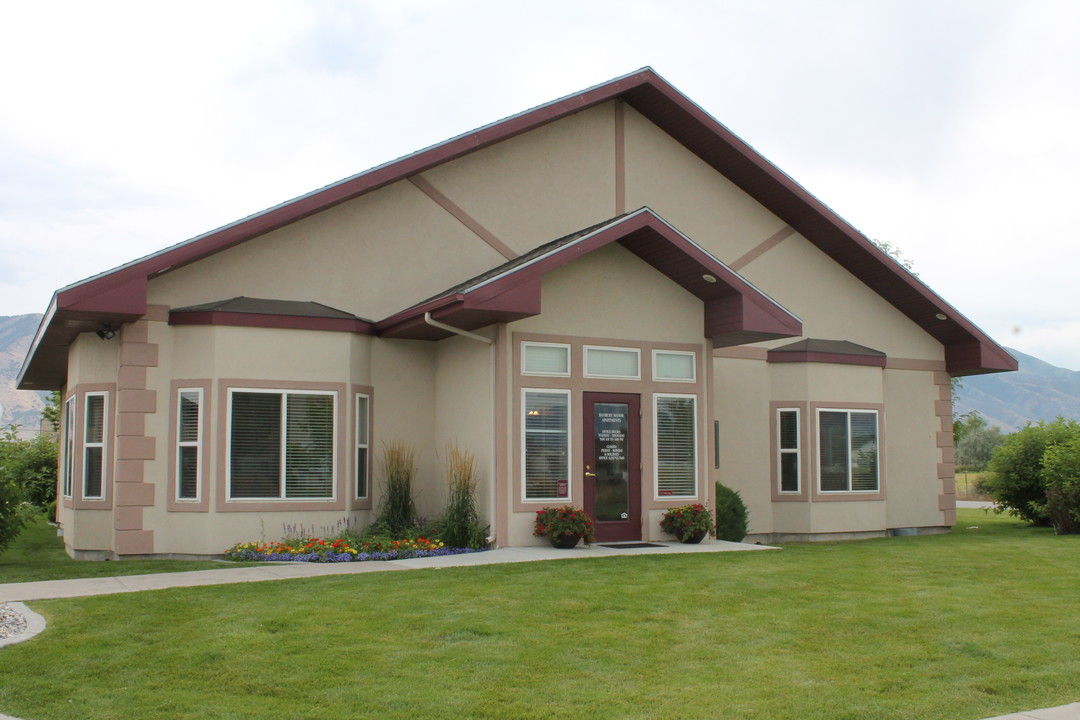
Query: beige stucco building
[610, 300]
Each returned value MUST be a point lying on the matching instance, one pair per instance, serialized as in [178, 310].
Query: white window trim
[281, 498]
[796, 451]
[366, 444]
[817, 448]
[656, 448]
[569, 499]
[693, 366]
[68, 488]
[104, 444]
[585, 362]
[197, 444]
[524, 350]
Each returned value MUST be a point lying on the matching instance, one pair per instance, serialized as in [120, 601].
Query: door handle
[589, 474]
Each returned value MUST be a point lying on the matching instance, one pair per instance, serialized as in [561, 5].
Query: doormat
[627, 546]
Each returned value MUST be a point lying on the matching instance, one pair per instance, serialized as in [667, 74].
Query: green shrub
[1016, 483]
[32, 464]
[1061, 475]
[732, 517]
[397, 510]
[460, 525]
[14, 512]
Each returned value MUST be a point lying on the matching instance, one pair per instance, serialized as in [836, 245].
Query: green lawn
[38, 554]
[973, 624]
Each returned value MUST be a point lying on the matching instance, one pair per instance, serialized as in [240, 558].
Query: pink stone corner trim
[134, 542]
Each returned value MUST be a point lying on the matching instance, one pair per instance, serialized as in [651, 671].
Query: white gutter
[457, 331]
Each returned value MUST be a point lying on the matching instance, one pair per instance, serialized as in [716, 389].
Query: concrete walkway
[50, 589]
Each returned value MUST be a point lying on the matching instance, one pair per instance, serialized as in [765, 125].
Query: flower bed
[332, 551]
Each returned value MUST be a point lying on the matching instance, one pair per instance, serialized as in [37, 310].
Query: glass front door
[612, 473]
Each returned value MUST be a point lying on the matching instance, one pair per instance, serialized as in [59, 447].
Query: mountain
[1037, 391]
[19, 407]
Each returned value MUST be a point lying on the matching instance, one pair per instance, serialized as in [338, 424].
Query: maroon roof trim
[968, 349]
[264, 320]
[735, 311]
[776, 356]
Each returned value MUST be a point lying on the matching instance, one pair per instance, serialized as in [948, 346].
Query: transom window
[546, 430]
[545, 359]
[607, 362]
[848, 450]
[281, 444]
[672, 366]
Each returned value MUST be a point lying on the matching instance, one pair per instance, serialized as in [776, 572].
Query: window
[69, 445]
[94, 434]
[848, 457]
[787, 448]
[545, 359]
[671, 366]
[676, 445]
[362, 445]
[188, 443]
[281, 444]
[547, 449]
[621, 363]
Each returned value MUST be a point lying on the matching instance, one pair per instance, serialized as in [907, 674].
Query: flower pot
[694, 537]
[564, 542]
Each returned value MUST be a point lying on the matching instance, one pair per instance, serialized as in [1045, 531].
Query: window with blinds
[69, 446]
[676, 445]
[545, 359]
[547, 447]
[281, 445]
[787, 448]
[188, 443]
[362, 446]
[94, 446]
[848, 450]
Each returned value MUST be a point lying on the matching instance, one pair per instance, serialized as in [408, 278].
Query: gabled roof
[736, 312]
[120, 295]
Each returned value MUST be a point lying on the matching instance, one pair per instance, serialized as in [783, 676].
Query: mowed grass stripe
[968, 625]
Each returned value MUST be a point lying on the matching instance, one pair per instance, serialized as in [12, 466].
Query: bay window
[848, 451]
[281, 444]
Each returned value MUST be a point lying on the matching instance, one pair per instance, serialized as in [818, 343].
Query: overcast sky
[948, 129]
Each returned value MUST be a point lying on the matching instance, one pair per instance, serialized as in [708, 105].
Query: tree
[1061, 476]
[14, 510]
[894, 252]
[51, 411]
[965, 423]
[1017, 481]
[975, 440]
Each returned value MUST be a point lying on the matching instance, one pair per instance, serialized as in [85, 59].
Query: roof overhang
[735, 312]
[968, 349]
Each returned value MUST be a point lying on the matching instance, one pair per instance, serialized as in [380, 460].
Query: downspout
[493, 507]
[457, 331]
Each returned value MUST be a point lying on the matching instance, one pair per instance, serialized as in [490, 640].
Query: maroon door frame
[613, 530]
